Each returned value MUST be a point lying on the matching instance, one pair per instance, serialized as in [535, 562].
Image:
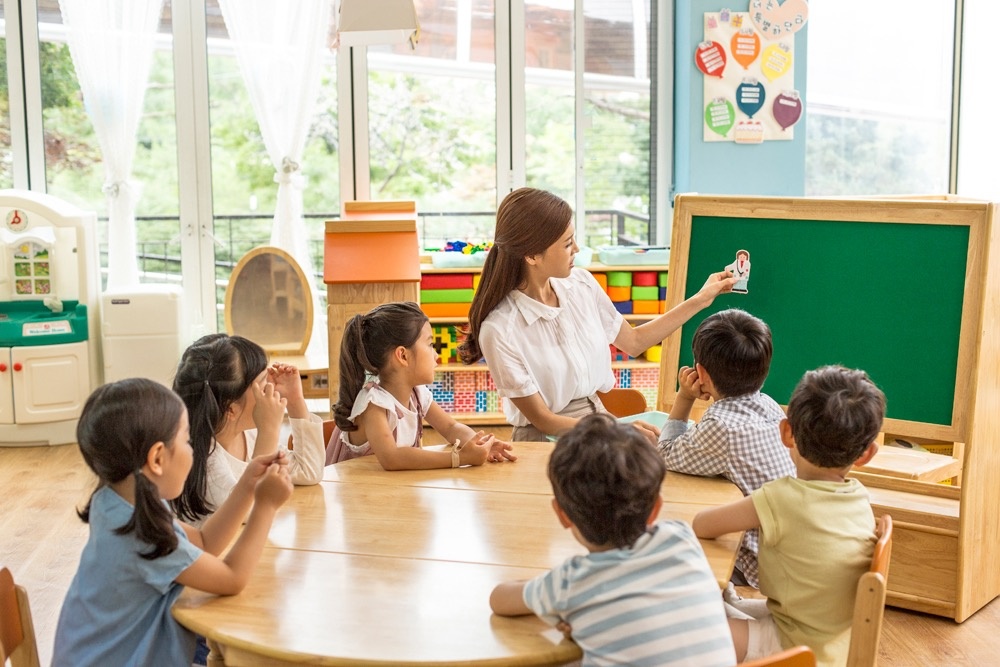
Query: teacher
[544, 326]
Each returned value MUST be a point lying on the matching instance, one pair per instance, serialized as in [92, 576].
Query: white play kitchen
[49, 341]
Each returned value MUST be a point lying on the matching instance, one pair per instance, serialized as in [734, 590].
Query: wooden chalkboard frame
[946, 552]
[973, 215]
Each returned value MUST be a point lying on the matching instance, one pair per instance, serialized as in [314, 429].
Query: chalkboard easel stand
[907, 289]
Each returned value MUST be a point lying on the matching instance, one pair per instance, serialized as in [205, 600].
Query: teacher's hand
[717, 283]
[649, 431]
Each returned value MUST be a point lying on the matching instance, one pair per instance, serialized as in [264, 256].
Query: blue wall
[771, 168]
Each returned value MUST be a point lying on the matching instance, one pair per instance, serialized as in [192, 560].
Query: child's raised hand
[690, 385]
[274, 487]
[269, 407]
[286, 380]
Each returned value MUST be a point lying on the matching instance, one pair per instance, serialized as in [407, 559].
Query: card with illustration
[740, 268]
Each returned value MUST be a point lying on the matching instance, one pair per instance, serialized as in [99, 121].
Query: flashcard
[740, 268]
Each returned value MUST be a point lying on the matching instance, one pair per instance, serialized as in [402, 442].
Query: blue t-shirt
[117, 609]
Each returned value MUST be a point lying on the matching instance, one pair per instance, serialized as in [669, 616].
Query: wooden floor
[42, 539]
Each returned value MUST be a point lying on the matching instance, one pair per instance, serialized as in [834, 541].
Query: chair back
[328, 426]
[623, 402]
[869, 605]
[17, 632]
[797, 656]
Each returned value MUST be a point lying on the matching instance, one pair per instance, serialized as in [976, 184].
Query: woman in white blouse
[544, 326]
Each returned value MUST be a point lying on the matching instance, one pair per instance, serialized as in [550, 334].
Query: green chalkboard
[883, 297]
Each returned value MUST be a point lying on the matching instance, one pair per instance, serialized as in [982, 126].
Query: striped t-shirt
[655, 603]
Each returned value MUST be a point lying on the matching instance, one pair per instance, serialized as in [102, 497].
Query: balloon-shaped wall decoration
[787, 108]
[775, 61]
[720, 116]
[750, 96]
[745, 46]
[710, 58]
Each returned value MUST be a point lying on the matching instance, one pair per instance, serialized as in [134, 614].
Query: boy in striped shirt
[644, 594]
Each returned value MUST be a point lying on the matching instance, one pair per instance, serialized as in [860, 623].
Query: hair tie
[207, 384]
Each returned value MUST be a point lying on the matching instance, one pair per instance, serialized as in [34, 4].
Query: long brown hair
[214, 373]
[528, 222]
[368, 342]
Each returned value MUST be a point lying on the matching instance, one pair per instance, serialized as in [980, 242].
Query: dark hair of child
[735, 348]
[120, 423]
[528, 222]
[213, 374]
[835, 413]
[368, 341]
[606, 478]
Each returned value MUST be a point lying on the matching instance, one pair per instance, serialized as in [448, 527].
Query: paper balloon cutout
[777, 60]
[750, 96]
[720, 116]
[710, 58]
[787, 109]
[775, 20]
[745, 46]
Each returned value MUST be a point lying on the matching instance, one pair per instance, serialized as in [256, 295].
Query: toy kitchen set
[49, 340]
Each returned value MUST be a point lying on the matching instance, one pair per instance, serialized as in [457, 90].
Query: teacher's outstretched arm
[636, 340]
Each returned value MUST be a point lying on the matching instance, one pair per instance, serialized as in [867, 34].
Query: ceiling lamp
[366, 22]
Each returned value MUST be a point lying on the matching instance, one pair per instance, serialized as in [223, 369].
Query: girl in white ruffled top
[387, 357]
[236, 405]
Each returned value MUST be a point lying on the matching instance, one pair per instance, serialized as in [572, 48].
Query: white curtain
[111, 43]
[280, 48]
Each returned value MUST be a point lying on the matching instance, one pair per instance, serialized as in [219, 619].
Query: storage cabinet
[468, 392]
[43, 389]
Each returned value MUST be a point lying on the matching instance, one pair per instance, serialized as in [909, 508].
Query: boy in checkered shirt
[738, 437]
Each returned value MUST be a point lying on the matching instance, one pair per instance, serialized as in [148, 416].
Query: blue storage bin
[634, 255]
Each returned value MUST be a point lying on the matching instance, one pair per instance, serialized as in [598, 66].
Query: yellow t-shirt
[816, 540]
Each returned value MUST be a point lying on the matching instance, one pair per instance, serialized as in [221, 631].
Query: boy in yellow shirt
[817, 529]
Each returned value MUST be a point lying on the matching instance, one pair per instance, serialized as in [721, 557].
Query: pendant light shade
[365, 22]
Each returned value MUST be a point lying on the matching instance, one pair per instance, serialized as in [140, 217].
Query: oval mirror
[268, 300]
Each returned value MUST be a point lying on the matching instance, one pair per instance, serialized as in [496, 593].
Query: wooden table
[375, 567]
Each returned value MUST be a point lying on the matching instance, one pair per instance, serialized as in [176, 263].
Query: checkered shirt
[737, 438]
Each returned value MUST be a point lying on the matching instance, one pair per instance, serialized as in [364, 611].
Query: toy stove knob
[3, 368]
[18, 366]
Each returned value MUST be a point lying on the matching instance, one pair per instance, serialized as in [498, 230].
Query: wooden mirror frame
[292, 348]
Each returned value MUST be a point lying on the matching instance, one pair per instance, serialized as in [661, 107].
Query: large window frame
[193, 136]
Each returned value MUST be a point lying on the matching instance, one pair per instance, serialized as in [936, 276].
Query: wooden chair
[623, 402]
[797, 656]
[869, 606]
[17, 632]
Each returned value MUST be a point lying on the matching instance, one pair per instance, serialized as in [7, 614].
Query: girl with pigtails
[387, 359]
[237, 404]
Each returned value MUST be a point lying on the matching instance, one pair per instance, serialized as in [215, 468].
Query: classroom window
[432, 121]
[614, 155]
[74, 167]
[244, 191]
[879, 97]
[6, 155]
[978, 143]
